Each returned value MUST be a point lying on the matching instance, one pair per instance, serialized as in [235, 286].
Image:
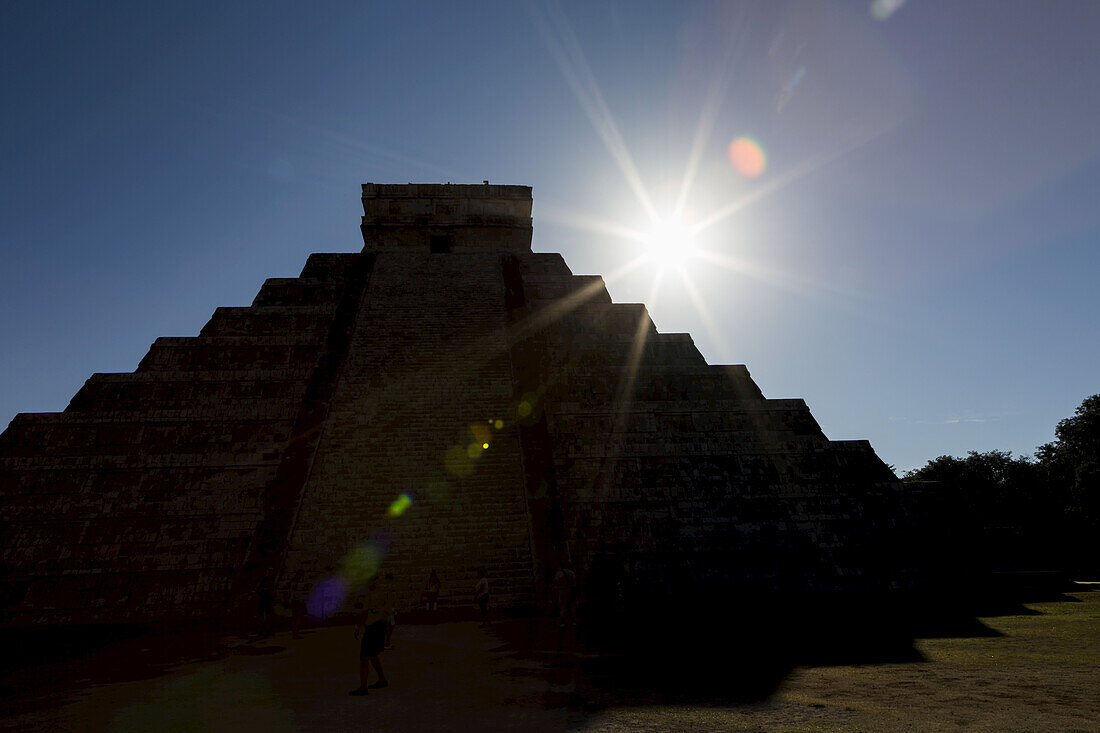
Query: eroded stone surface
[283, 434]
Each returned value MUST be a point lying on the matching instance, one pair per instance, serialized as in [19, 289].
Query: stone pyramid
[446, 399]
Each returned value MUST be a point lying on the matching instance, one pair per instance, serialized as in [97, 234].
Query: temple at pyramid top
[442, 218]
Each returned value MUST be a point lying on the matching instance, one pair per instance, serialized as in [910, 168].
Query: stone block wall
[666, 468]
[427, 361]
[400, 410]
[142, 499]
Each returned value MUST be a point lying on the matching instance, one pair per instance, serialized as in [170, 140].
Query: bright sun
[669, 243]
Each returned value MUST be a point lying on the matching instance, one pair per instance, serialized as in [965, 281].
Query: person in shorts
[372, 626]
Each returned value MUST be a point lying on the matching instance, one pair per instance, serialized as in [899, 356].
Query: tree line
[1024, 513]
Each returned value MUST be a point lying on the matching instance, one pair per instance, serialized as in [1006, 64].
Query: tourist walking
[372, 625]
[563, 592]
[430, 596]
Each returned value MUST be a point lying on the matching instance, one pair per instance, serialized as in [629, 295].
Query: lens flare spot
[529, 409]
[361, 564]
[457, 461]
[498, 424]
[485, 446]
[473, 450]
[747, 157]
[326, 597]
[480, 432]
[883, 9]
[399, 505]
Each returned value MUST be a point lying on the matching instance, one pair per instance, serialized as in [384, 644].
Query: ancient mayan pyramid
[444, 399]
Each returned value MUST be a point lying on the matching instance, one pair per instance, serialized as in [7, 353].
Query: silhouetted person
[265, 602]
[297, 604]
[372, 625]
[481, 595]
[430, 596]
[563, 591]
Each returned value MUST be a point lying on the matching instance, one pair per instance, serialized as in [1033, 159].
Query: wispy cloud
[973, 417]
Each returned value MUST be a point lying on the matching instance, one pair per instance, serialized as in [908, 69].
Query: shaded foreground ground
[1035, 669]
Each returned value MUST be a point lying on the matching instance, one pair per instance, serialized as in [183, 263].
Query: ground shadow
[38, 663]
[725, 652]
[719, 657]
[734, 654]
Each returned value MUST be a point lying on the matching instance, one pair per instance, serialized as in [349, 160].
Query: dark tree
[1000, 502]
[1025, 514]
[1071, 466]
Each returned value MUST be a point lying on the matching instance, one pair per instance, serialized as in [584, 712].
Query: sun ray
[569, 57]
[624, 393]
[780, 279]
[585, 222]
[754, 270]
[780, 181]
[708, 115]
[637, 347]
[704, 313]
[761, 191]
[561, 307]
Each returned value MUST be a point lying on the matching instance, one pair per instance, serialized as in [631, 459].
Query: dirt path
[1037, 671]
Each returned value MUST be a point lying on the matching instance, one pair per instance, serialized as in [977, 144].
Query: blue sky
[918, 260]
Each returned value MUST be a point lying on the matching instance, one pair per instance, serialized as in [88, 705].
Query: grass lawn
[1034, 671]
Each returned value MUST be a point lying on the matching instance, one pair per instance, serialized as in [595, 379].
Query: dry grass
[1042, 673]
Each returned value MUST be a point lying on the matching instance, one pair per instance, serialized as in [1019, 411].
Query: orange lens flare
[747, 157]
[480, 432]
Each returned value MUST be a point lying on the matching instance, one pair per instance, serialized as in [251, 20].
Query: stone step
[165, 411]
[329, 265]
[150, 391]
[295, 291]
[270, 324]
[192, 354]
